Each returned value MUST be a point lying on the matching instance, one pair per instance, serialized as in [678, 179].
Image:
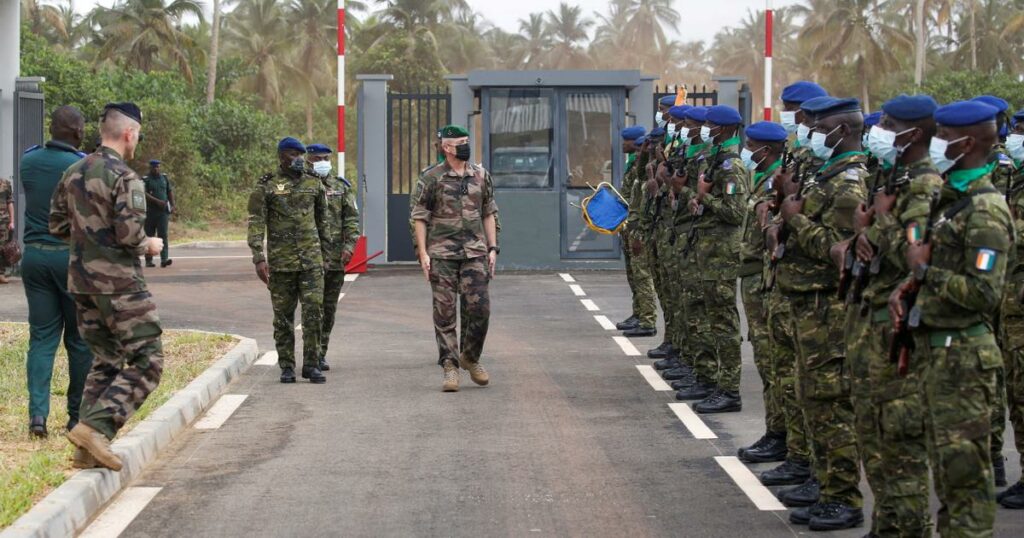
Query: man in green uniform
[958, 268]
[456, 237]
[99, 207]
[640, 284]
[638, 227]
[343, 217]
[289, 208]
[44, 272]
[160, 202]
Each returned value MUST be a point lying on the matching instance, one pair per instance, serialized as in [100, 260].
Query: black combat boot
[773, 448]
[660, 352]
[629, 323]
[640, 332]
[802, 516]
[836, 516]
[677, 373]
[667, 363]
[789, 473]
[999, 469]
[685, 382]
[721, 401]
[37, 426]
[1012, 498]
[697, 391]
[805, 494]
[313, 374]
[324, 367]
[287, 375]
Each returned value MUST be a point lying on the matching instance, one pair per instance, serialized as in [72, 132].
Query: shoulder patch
[727, 165]
[265, 178]
[985, 260]
[852, 175]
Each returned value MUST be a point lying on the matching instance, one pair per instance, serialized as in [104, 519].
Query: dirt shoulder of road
[191, 232]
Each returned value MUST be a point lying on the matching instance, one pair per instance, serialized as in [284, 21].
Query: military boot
[478, 374]
[805, 494]
[1012, 498]
[836, 516]
[37, 426]
[721, 401]
[287, 375]
[677, 373]
[324, 367]
[659, 352]
[82, 459]
[999, 470]
[667, 363]
[685, 382]
[313, 374]
[629, 323]
[451, 378]
[790, 473]
[803, 516]
[697, 391]
[95, 443]
[772, 448]
[640, 332]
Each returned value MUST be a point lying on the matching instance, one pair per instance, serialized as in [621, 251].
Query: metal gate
[413, 121]
[693, 97]
[29, 112]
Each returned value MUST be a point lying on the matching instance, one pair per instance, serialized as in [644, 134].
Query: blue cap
[830, 106]
[910, 107]
[678, 112]
[964, 113]
[697, 113]
[813, 102]
[872, 119]
[801, 91]
[1018, 117]
[656, 132]
[154, 162]
[290, 143]
[668, 100]
[318, 149]
[999, 104]
[766, 131]
[640, 140]
[723, 115]
[634, 132]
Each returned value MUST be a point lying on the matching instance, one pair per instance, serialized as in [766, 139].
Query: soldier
[289, 208]
[44, 271]
[343, 217]
[6, 221]
[99, 207]
[888, 405]
[1011, 320]
[638, 222]
[641, 286]
[661, 116]
[456, 236]
[762, 155]
[874, 163]
[160, 203]
[958, 273]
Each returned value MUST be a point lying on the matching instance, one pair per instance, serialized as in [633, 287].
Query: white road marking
[268, 359]
[590, 305]
[606, 323]
[652, 377]
[567, 277]
[221, 411]
[577, 290]
[761, 496]
[692, 421]
[340, 297]
[351, 277]
[298, 327]
[627, 347]
[210, 257]
[116, 518]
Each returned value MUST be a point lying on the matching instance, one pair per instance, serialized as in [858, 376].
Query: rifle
[780, 249]
[691, 233]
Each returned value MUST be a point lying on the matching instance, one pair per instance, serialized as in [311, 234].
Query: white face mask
[819, 147]
[684, 135]
[882, 144]
[937, 151]
[671, 130]
[322, 168]
[747, 157]
[659, 120]
[705, 134]
[788, 120]
[803, 132]
[1015, 146]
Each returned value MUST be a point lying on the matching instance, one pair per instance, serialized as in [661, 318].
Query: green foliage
[391, 54]
[958, 85]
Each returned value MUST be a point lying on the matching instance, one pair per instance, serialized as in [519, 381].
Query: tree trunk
[865, 95]
[309, 119]
[974, 39]
[211, 71]
[922, 32]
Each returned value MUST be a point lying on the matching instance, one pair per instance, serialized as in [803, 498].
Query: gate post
[373, 158]
[729, 90]
[10, 67]
[641, 103]
[462, 107]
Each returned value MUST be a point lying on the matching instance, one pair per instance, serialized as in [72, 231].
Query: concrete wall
[10, 65]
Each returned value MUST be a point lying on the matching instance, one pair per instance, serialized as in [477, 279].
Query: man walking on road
[160, 205]
[456, 237]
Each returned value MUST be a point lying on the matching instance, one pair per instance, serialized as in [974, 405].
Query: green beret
[453, 131]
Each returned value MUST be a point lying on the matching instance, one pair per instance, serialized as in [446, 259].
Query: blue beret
[640, 140]
[963, 113]
[634, 132]
[128, 109]
[154, 162]
[801, 91]
[1019, 116]
[830, 106]
[317, 149]
[872, 119]
[766, 131]
[813, 102]
[656, 132]
[910, 107]
[668, 100]
[290, 143]
[678, 112]
[697, 113]
[723, 115]
[999, 104]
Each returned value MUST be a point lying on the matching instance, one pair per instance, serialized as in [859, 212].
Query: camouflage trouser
[700, 351]
[287, 290]
[757, 333]
[959, 390]
[823, 389]
[1015, 397]
[671, 267]
[642, 285]
[999, 408]
[123, 332]
[658, 254]
[724, 334]
[782, 354]
[333, 281]
[890, 427]
[465, 281]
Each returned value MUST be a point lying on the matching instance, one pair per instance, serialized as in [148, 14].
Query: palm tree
[211, 69]
[143, 31]
[536, 40]
[647, 21]
[317, 40]
[43, 19]
[990, 48]
[568, 28]
[259, 32]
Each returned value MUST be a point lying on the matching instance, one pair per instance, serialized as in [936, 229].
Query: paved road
[570, 439]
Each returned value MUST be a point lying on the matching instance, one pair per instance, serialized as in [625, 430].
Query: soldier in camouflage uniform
[456, 236]
[6, 221]
[343, 219]
[818, 217]
[99, 207]
[640, 283]
[289, 209]
[959, 273]
[889, 407]
[638, 223]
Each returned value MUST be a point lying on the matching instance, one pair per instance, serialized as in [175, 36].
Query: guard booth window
[521, 135]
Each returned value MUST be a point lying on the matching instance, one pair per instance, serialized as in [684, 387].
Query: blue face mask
[788, 120]
[819, 147]
[1015, 146]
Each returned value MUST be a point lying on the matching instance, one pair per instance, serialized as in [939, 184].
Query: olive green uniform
[343, 215]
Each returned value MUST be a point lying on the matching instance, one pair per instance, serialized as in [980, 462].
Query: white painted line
[627, 347]
[116, 518]
[692, 421]
[340, 297]
[298, 327]
[567, 277]
[220, 412]
[590, 305]
[210, 257]
[577, 290]
[268, 359]
[652, 377]
[606, 323]
[761, 496]
[351, 277]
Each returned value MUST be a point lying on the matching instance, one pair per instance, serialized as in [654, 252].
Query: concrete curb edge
[212, 244]
[67, 509]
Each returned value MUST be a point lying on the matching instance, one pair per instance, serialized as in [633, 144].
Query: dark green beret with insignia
[453, 131]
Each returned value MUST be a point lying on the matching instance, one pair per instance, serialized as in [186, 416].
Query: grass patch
[189, 231]
[31, 468]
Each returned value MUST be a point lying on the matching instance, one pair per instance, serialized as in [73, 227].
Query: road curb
[212, 244]
[67, 509]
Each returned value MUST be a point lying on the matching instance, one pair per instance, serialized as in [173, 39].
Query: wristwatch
[495, 249]
[920, 272]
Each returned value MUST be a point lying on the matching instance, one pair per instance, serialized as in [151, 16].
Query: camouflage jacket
[637, 197]
[752, 249]
[1012, 306]
[694, 164]
[343, 218]
[454, 207]
[6, 197]
[290, 211]
[99, 207]
[1003, 171]
[830, 199]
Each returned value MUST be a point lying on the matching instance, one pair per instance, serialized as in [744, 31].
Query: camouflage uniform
[638, 274]
[453, 208]
[100, 208]
[890, 409]
[1003, 179]
[691, 307]
[962, 288]
[638, 226]
[717, 247]
[808, 281]
[290, 209]
[6, 196]
[343, 216]
[1011, 328]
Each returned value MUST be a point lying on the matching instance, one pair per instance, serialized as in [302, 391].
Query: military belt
[945, 338]
[44, 246]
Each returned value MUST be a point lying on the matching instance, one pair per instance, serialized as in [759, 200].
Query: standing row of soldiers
[881, 282]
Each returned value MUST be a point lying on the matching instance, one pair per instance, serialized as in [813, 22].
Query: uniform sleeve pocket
[902, 418]
[989, 357]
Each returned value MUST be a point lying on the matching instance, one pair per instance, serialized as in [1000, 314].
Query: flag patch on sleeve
[986, 260]
[730, 187]
[914, 233]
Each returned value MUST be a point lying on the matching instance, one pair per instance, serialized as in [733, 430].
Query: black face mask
[462, 152]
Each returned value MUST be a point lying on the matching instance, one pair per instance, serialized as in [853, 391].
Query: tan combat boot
[451, 378]
[82, 459]
[96, 444]
[478, 374]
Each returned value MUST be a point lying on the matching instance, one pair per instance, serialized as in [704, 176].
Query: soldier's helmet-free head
[120, 127]
[836, 120]
[154, 165]
[455, 142]
[1002, 117]
[1015, 140]
[965, 130]
[793, 96]
[289, 153]
[319, 157]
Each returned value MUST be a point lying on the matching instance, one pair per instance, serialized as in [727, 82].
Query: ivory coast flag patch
[986, 260]
[914, 233]
[730, 188]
